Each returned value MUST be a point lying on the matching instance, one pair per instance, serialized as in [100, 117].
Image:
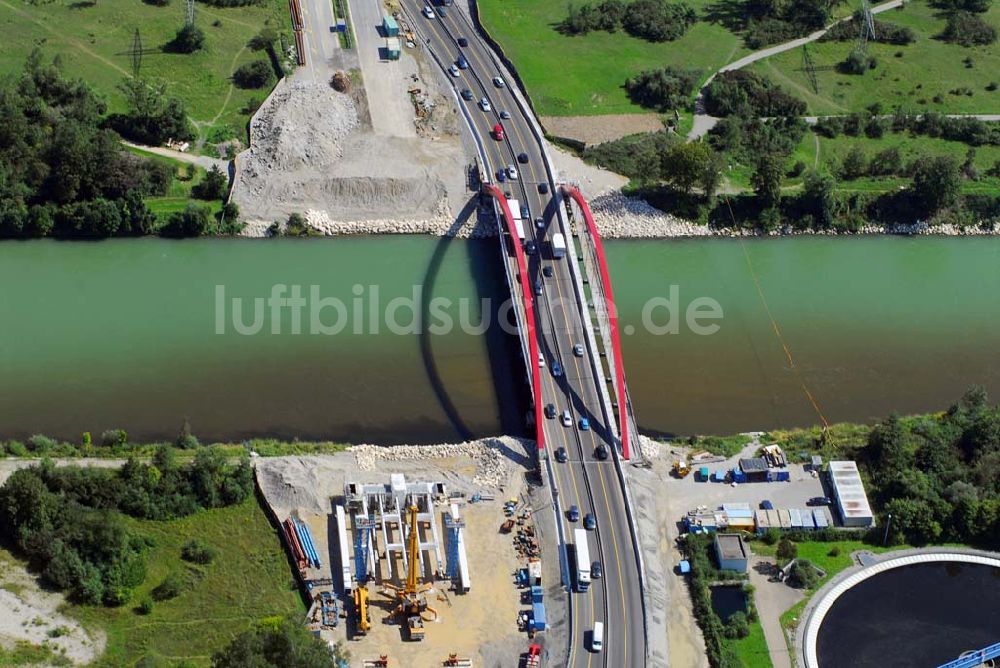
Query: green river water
[127, 334]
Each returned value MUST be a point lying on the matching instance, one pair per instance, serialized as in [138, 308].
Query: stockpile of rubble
[491, 455]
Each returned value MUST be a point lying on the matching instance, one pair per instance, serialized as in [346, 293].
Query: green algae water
[866, 325]
[130, 334]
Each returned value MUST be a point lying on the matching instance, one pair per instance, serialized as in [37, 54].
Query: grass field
[248, 580]
[925, 69]
[584, 74]
[178, 197]
[92, 41]
[752, 650]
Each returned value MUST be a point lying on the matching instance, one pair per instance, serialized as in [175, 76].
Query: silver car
[511, 170]
[567, 419]
[485, 104]
[578, 350]
[499, 82]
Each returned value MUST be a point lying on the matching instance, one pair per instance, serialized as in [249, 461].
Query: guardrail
[974, 659]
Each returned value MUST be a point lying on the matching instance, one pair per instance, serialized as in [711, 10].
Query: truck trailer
[558, 245]
[582, 560]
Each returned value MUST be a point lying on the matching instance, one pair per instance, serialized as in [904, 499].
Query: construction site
[430, 560]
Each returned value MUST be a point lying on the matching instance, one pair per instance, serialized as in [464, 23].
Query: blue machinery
[454, 526]
[975, 659]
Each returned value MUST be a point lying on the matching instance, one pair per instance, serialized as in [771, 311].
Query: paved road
[200, 160]
[320, 43]
[583, 481]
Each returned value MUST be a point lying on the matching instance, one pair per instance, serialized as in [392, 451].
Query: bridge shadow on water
[490, 284]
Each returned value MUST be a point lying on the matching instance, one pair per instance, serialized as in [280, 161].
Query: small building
[392, 48]
[389, 26]
[754, 468]
[731, 552]
[684, 567]
[849, 495]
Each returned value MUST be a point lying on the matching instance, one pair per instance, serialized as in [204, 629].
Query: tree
[937, 183]
[189, 39]
[767, 180]
[285, 645]
[263, 40]
[254, 74]
[213, 186]
[185, 439]
[854, 165]
[684, 164]
[787, 550]
[819, 198]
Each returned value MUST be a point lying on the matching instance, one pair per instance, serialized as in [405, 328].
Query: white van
[597, 637]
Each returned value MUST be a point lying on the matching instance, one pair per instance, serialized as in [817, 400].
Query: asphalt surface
[584, 481]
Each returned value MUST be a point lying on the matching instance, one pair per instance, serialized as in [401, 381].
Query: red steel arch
[612, 314]
[529, 310]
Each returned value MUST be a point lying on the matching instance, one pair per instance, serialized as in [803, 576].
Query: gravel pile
[493, 457]
[649, 448]
[621, 217]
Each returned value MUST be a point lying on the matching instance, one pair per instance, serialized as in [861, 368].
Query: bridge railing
[975, 659]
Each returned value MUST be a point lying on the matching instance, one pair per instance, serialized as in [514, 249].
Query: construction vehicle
[411, 599]
[362, 611]
[454, 660]
[681, 468]
[381, 662]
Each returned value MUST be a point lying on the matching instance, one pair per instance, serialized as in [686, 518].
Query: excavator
[411, 599]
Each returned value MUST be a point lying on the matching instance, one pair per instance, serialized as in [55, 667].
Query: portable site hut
[820, 518]
[773, 519]
[392, 48]
[808, 522]
[741, 524]
[703, 474]
[849, 493]
[732, 552]
[760, 517]
[795, 518]
[389, 26]
[754, 468]
[784, 518]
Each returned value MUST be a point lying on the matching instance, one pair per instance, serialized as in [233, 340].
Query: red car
[498, 132]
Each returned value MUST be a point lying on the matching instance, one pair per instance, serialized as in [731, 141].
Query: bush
[834, 551]
[802, 575]
[40, 445]
[171, 587]
[188, 39]
[740, 92]
[787, 550]
[213, 186]
[145, 606]
[255, 74]
[653, 20]
[193, 221]
[967, 29]
[197, 551]
[114, 437]
[738, 626]
[885, 32]
[658, 20]
[664, 89]
[857, 62]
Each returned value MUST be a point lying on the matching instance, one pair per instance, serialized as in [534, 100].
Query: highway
[584, 480]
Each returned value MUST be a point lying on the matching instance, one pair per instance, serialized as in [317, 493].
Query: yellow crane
[361, 609]
[411, 601]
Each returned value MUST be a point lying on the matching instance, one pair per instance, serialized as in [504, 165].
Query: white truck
[515, 210]
[582, 560]
[558, 246]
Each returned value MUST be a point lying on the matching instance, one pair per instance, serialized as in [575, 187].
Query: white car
[499, 82]
[541, 361]
[428, 12]
[511, 172]
[578, 350]
[567, 419]
[453, 70]
[485, 104]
